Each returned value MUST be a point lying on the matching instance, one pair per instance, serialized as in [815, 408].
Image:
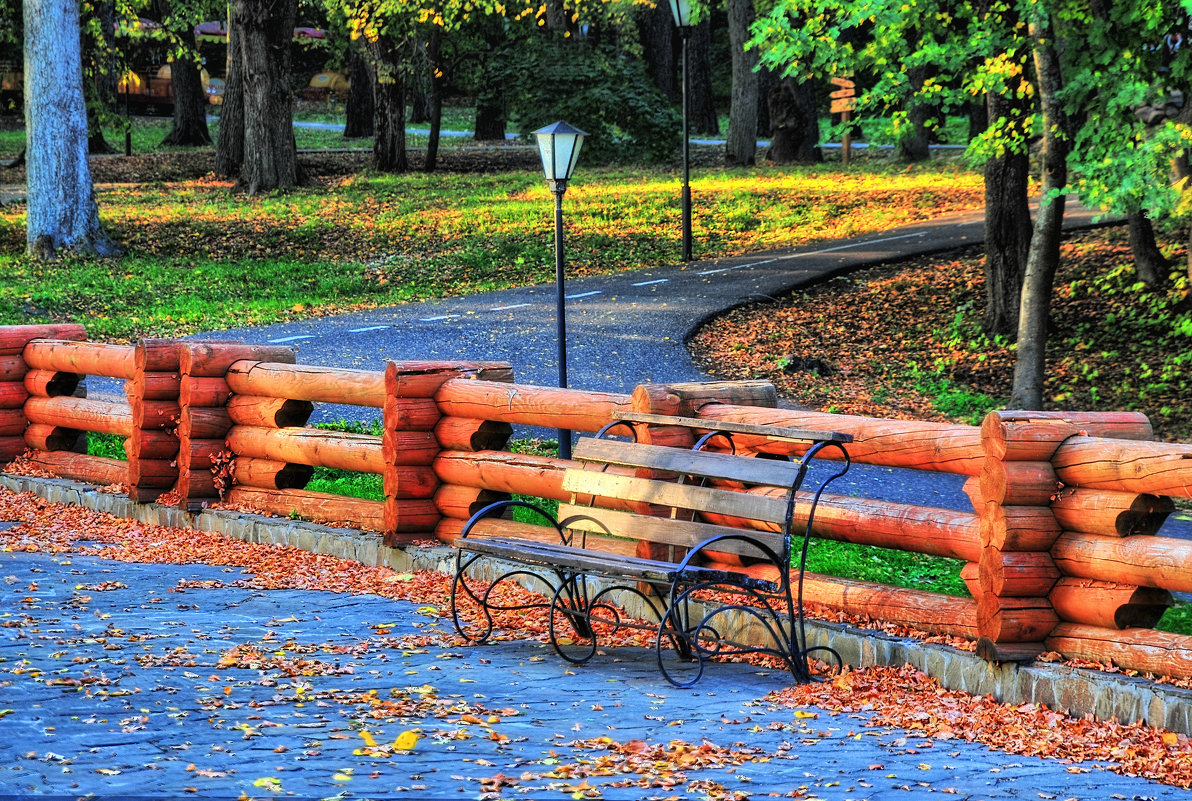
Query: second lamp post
[559, 146]
[682, 11]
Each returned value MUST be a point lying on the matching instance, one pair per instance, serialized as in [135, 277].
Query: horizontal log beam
[317, 506]
[14, 338]
[12, 422]
[250, 410]
[81, 413]
[336, 449]
[1144, 650]
[42, 437]
[523, 404]
[12, 368]
[942, 447]
[51, 383]
[1114, 514]
[212, 359]
[270, 474]
[202, 391]
[1158, 562]
[308, 383]
[1109, 604]
[87, 358]
[97, 470]
[1034, 436]
[154, 386]
[1158, 468]
[463, 434]
[13, 395]
[422, 379]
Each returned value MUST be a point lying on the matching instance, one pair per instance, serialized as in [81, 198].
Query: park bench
[638, 523]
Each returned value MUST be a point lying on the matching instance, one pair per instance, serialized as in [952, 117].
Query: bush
[598, 90]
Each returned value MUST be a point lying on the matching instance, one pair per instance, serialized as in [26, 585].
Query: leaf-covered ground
[904, 340]
[890, 697]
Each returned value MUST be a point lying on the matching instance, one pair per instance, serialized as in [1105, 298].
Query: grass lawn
[200, 258]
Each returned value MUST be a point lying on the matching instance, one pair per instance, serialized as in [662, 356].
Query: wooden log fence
[1059, 547]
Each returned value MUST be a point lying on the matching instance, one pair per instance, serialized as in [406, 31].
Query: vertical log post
[204, 421]
[416, 503]
[13, 339]
[1016, 573]
[152, 392]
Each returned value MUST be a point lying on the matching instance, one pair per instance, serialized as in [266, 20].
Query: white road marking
[655, 281]
[370, 328]
[849, 246]
[584, 294]
[713, 272]
[436, 319]
[514, 306]
[291, 339]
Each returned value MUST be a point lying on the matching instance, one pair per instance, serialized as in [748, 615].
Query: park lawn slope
[200, 258]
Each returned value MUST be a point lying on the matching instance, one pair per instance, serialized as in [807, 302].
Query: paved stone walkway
[122, 681]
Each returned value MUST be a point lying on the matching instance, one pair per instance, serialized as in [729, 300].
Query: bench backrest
[622, 479]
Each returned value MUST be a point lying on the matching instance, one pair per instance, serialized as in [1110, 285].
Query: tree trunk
[61, 210]
[419, 83]
[1148, 260]
[99, 81]
[1007, 228]
[656, 30]
[794, 125]
[434, 53]
[490, 96]
[978, 119]
[229, 146]
[914, 143]
[270, 155]
[359, 112]
[190, 101]
[703, 119]
[1030, 362]
[766, 81]
[389, 109]
[741, 147]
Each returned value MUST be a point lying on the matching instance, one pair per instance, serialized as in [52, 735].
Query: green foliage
[885, 566]
[1177, 619]
[596, 89]
[108, 446]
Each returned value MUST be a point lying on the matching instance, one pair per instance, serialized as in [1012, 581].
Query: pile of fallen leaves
[888, 341]
[910, 699]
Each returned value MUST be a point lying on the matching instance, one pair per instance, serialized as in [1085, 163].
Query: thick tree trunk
[703, 119]
[389, 110]
[229, 146]
[1030, 362]
[420, 83]
[190, 101]
[1007, 228]
[434, 53]
[914, 143]
[794, 126]
[1148, 260]
[490, 97]
[359, 112]
[978, 119]
[741, 147]
[61, 210]
[656, 30]
[99, 87]
[270, 155]
[766, 81]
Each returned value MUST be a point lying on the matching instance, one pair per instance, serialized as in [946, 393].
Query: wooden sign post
[844, 100]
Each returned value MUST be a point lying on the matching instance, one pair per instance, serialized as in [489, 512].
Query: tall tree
[229, 147]
[189, 124]
[359, 112]
[741, 147]
[266, 29]
[62, 212]
[702, 102]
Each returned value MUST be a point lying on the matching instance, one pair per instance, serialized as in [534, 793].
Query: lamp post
[559, 146]
[681, 9]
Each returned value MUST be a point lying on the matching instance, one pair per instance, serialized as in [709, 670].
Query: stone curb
[1075, 691]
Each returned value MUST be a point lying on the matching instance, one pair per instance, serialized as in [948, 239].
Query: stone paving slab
[125, 681]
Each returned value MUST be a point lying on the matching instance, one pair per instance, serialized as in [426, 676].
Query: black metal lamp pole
[685, 33]
[558, 188]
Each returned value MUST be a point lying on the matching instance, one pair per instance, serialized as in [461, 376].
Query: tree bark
[420, 82]
[434, 63]
[656, 30]
[1030, 363]
[766, 81]
[703, 119]
[741, 147]
[61, 210]
[794, 126]
[389, 109]
[1007, 228]
[1148, 260]
[190, 101]
[490, 96]
[359, 111]
[914, 144]
[229, 146]
[270, 155]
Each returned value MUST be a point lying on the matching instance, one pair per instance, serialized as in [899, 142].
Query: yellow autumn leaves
[406, 741]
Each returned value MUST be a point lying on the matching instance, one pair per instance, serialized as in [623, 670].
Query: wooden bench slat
[663, 530]
[683, 496]
[705, 464]
[777, 432]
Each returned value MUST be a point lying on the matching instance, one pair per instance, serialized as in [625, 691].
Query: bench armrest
[498, 508]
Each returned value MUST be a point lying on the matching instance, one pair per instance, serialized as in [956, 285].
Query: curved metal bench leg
[458, 585]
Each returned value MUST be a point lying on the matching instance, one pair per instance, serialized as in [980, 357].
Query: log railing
[1059, 543]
